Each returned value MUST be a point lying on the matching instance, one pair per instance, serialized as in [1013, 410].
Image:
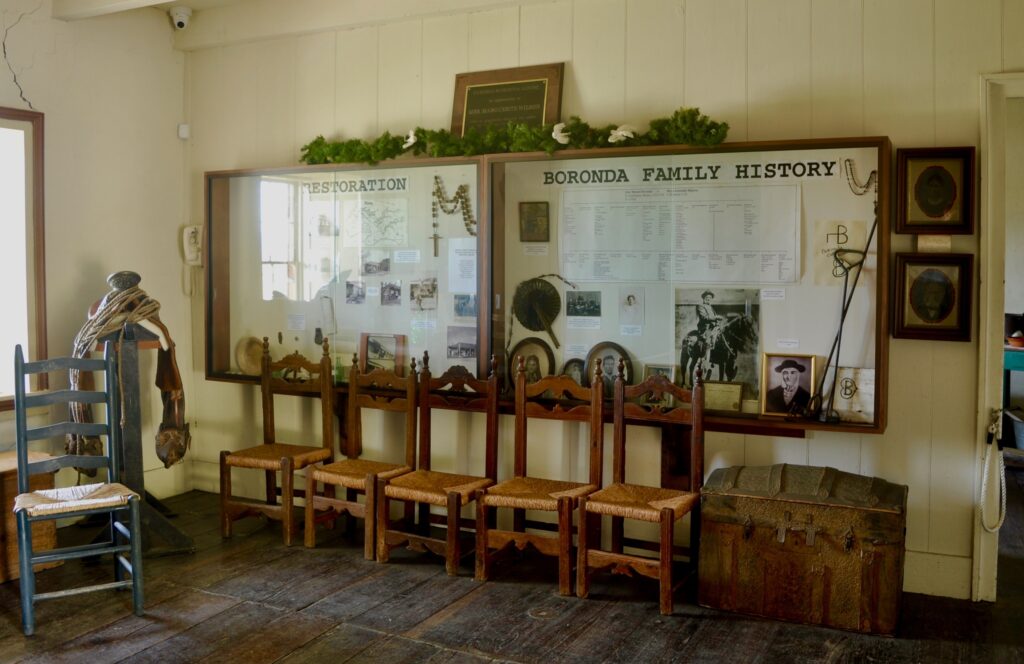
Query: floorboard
[251, 599]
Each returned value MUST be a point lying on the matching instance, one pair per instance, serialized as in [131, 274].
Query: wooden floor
[249, 599]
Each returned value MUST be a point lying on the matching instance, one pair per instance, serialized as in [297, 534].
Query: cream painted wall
[112, 91]
[780, 69]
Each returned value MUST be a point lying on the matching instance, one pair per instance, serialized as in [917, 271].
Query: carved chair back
[381, 389]
[296, 375]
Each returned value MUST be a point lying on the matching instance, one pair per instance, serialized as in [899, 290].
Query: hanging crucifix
[459, 202]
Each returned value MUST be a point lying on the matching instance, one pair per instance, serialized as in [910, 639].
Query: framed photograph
[935, 190]
[423, 294]
[717, 331]
[374, 262]
[609, 353]
[787, 383]
[540, 361]
[666, 370]
[933, 296]
[526, 95]
[382, 351]
[723, 396]
[534, 222]
[575, 368]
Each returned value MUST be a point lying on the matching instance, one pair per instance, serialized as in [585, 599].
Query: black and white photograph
[538, 360]
[575, 368]
[423, 294]
[788, 383]
[717, 330]
[461, 342]
[355, 292]
[609, 354]
[583, 303]
[375, 262]
[391, 293]
[631, 305]
[382, 351]
[666, 370]
[465, 305]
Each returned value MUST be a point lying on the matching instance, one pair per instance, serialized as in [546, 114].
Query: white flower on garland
[410, 140]
[622, 133]
[559, 134]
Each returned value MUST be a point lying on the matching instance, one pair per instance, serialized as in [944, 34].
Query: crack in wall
[14, 74]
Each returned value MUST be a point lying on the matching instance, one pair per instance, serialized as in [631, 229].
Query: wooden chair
[552, 397]
[296, 376]
[621, 500]
[377, 389]
[455, 388]
[106, 496]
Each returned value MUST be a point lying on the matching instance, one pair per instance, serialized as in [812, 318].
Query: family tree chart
[717, 234]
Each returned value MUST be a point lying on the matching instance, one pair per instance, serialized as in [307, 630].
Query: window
[22, 269]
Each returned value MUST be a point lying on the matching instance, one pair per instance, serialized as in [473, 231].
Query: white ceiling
[72, 10]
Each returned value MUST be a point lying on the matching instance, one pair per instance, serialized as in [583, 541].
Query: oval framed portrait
[576, 369]
[935, 190]
[609, 353]
[933, 296]
[538, 359]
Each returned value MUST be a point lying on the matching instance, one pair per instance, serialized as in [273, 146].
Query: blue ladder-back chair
[104, 497]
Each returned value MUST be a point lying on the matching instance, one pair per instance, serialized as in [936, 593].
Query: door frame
[995, 89]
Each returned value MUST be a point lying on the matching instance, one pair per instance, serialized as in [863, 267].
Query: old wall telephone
[192, 245]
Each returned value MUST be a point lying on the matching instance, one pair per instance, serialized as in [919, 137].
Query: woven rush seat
[268, 456]
[69, 500]
[533, 493]
[428, 486]
[351, 473]
[643, 503]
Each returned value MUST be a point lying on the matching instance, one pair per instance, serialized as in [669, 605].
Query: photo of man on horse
[718, 335]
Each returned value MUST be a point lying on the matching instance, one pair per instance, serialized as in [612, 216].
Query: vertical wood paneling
[954, 398]
[544, 34]
[598, 61]
[899, 101]
[1012, 29]
[965, 45]
[654, 59]
[838, 450]
[903, 453]
[770, 450]
[715, 61]
[837, 68]
[445, 54]
[400, 55]
[355, 106]
[722, 450]
[778, 70]
[494, 39]
[314, 90]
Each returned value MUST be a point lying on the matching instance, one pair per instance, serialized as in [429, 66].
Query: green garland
[685, 127]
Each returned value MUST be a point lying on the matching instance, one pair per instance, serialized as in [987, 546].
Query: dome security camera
[180, 17]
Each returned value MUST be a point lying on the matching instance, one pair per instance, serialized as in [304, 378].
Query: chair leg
[582, 545]
[118, 568]
[309, 517]
[28, 577]
[617, 534]
[271, 480]
[423, 525]
[225, 494]
[287, 499]
[451, 550]
[482, 564]
[665, 562]
[565, 546]
[136, 552]
[695, 539]
[383, 515]
[370, 516]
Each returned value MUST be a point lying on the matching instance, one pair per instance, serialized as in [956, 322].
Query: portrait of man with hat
[707, 319]
[792, 382]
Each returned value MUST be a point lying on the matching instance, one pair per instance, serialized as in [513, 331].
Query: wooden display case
[708, 257]
[302, 254]
[636, 238]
